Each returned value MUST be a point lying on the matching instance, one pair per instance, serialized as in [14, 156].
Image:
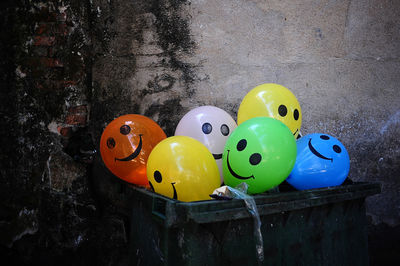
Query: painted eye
[337, 149]
[241, 145]
[125, 129]
[324, 137]
[225, 130]
[255, 158]
[207, 128]
[296, 114]
[282, 110]
[110, 143]
[157, 176]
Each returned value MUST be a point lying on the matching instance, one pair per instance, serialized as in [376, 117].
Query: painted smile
[175, 194]
[313, 150]
[151, 187]
[233, 172]
[217, 156]
[295, 132]
[134, 154]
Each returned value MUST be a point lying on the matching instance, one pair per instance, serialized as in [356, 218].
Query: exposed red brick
[80, 109]
[44, 40]
[51, 84]
[65, 131]
[51, 62]
[67, 83]
[76, 119]
[51, 29]
[43, 28]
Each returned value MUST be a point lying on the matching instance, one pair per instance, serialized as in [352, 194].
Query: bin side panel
[147, 236]
[329, 234]
[333, 234]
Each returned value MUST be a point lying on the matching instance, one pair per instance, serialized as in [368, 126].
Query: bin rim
[170, 212]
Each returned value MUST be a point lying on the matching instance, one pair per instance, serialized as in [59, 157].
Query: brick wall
[60, 65]
[45, 196]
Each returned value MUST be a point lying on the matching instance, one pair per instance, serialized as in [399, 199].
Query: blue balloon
[322, 161]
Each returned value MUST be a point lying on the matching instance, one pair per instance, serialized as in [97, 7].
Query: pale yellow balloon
[272, 100]
[182, 168]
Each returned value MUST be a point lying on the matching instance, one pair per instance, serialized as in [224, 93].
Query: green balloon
[261, 152]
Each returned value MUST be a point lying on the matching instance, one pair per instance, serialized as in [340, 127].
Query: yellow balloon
[272, 100]
[182, 168]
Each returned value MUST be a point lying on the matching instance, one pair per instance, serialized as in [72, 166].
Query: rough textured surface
[69, 67]
[48, 211]
[341, 60]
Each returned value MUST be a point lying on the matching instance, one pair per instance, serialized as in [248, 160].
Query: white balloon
[211, 126]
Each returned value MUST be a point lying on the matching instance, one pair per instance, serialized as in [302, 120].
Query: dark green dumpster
[312, 227]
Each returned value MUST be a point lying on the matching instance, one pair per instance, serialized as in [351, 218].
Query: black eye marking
[125, 129]
[225, 130]
[207, 128]
[110, 143]
[241, 145]
[296, 114]
[282, 110]
[324, 137]
[337, 149]
[157, 176]
[255, 158]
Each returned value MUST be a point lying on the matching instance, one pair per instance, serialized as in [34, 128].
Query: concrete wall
[340, 58]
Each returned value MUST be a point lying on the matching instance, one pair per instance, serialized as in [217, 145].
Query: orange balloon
[126, 144]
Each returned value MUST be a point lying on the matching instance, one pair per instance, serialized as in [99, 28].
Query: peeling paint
[53, 127]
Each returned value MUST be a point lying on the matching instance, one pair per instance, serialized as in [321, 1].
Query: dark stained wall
[48, 213]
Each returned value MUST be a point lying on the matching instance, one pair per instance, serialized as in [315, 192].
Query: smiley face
[158, 178]
[254, 159]
[211, 126]
[335, 147]
[182, 168]
[261, 152]
[322, 161]
[272, 100]
[126, 144]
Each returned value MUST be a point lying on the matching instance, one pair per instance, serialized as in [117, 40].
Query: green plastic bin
[312, 227]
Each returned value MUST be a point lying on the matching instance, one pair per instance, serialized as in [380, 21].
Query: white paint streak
[98, 11]
[62, 9]
[48, 170]
[78, 240]
[19, 73]
[394, 119]
[53, 127]
[27, 218]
